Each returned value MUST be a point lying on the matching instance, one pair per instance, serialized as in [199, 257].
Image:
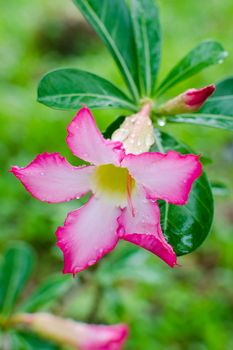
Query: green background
[189, 308]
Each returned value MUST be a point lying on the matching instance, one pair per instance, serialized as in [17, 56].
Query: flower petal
[140, 224]
[50, 178]
[165, 176]
[88, 234]
[86, 141]
[78, 335]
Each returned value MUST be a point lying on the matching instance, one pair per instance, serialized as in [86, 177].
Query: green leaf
[220, 105]
[145, 16]
[16, 269]
[211, 120]
[111, 21]
[202, 56]
[219, 189]
[113, 126]
[33, 342]
[73, 88]
[47, 293]
[187, 226]
[224, 87]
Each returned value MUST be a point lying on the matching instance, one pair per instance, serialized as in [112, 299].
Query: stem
[162, 150]
[146, 108]
[92, 316]
[158, 142]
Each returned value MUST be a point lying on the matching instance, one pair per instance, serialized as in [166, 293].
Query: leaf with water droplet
[186, 226]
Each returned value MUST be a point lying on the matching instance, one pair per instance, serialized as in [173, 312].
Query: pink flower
[75, 334]
[124, 192]
[187, 102]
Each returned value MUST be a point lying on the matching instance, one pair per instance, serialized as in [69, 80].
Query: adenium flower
[124, 190]
[80, 336]
[187, 102]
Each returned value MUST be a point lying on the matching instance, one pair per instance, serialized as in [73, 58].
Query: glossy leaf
[187, 226]
[47, 293]
[111, 21]
[145, 16]
[16, 269]
[220, 105]
[113, 126]
[224, 87]
[211, 120]
[202, 56]
[73, 88]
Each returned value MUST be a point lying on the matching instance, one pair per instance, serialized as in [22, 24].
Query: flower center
[114, 182]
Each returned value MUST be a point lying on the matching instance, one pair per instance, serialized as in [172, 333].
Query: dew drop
[42, 174]
[91, 262]
[149, 140]
[121, 232]
[161, 121]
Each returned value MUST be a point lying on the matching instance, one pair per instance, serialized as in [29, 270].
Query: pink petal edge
[140, 225]
[50, 178]
[86, 141]
[88, 234]
[102, 337]
[168, 176]
[195, 98]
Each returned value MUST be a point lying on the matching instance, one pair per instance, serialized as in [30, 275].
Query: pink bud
[78, 335]
[189, 101]
[136, 132]
[195, 98]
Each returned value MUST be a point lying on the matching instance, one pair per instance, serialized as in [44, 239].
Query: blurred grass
[188, 308]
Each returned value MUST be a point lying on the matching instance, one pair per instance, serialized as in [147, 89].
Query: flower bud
[189, 101]
[136, 132]
[78, 335]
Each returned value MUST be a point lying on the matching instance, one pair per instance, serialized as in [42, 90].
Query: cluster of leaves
[131, 31]
[16, 267]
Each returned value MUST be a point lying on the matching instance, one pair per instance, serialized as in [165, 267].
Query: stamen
[129, 193]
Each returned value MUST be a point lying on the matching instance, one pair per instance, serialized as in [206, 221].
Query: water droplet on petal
[91, 262]
[42, 174]
[121, 232]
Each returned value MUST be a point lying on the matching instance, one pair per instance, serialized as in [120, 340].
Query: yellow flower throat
[116, 182]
